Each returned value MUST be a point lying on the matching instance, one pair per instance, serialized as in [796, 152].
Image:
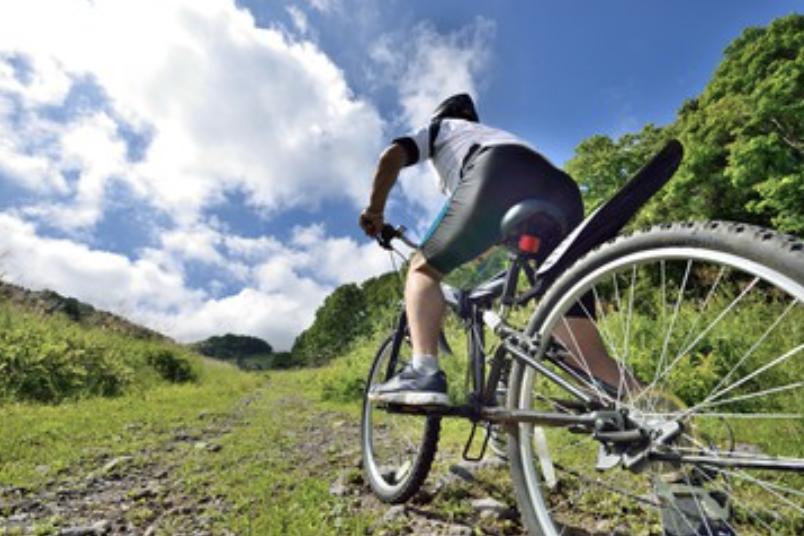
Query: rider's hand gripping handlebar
[388, 233]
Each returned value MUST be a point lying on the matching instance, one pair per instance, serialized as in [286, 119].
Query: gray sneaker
[413, 388]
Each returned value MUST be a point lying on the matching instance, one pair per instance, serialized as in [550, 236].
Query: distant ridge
[48, 302]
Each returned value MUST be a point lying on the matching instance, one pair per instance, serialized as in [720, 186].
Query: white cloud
[427, 66]
[104, 279]
[324, 6]
[285, 284]
[177, 104]
[227, 105]
[274, 317]
[338, 260]
[196, 243]
[299, 19]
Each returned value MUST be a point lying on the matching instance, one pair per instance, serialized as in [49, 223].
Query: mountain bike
[707, 316]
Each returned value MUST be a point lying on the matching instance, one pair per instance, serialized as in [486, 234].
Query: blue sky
[198, 165]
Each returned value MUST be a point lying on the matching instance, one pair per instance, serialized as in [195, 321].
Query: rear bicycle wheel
[398, 449]
[705, 323]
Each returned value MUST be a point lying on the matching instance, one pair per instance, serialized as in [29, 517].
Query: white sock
[425, 363]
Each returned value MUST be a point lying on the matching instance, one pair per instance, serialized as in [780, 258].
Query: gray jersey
[448, 143]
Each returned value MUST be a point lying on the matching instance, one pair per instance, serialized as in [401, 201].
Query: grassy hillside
[53, 358]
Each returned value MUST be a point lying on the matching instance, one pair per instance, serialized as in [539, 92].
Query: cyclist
[484, 171]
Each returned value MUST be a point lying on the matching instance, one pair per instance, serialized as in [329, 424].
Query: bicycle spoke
[701, 309]
[779, 492]
[751, 350]
[746, 508]
[706, 321]
[581, 359]
[753, 416]
[673, 320]
[680, 355]
[772, 364]
[602, 326]
[743, 398]
[623, 364]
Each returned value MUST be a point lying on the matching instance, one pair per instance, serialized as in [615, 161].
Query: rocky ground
[139, 493]
[142, 493]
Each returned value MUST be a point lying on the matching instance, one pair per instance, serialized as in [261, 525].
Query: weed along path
[246, 457]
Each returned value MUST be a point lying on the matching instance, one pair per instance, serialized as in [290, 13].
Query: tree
[245, 350]
[743, 139]
[340, 319]
[602, 165]
[349, 313]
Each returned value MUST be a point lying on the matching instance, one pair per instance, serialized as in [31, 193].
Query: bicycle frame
[476, 312]
[475, 308]
[604, 420]
[605, 223]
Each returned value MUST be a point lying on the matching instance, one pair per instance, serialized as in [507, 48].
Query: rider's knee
[419, 265]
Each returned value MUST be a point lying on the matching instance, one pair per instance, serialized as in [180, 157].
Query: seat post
[511, 281]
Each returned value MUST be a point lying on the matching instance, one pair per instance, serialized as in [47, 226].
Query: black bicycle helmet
[459, 106]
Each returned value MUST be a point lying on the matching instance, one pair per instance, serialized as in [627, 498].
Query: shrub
[171, 364]
[49, 359]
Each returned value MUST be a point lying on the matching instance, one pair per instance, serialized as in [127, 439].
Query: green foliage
[349, 313]
[344, 379]
[745, 133]
[280, 360]
[743, 139]
[51, 359]
[602, 165]
[232, 347]
[50, 303]
[338, 321]
[249, 353]
[172, 364]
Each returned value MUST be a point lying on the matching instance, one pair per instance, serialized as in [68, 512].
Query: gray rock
[101, 527]
[395, 513]
[459, 530]
[116, 463]
[339, 487]
[464, 471]
[491, 508]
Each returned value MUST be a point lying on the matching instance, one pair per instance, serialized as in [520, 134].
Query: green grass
[40, 441]
[52, 359]
[276, 471]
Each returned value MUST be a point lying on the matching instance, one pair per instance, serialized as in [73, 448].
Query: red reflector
[529, 243]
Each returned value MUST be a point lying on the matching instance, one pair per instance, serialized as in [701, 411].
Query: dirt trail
[138, 493]
[142, 493]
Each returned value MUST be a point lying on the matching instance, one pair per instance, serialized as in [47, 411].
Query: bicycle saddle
[534, 227]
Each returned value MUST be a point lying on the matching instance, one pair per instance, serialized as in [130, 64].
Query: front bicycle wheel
[398, 448]
[705, 326]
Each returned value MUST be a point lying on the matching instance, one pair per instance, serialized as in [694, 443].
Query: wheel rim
[392, 442]
[736, 386]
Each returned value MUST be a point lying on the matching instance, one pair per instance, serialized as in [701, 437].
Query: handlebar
[388, 233]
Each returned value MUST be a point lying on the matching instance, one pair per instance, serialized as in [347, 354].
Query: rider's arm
[391, 162]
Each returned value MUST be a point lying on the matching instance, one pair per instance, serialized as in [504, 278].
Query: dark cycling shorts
[494, 179]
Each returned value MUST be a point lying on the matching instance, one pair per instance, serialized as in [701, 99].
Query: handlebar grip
[387, 234]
